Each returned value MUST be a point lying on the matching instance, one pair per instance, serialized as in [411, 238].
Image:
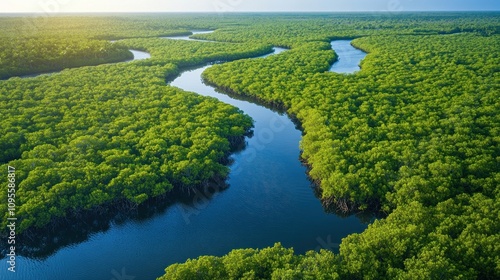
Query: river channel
[348, 57]
[269, 199]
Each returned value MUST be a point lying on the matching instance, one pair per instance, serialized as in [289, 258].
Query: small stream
[269, 199]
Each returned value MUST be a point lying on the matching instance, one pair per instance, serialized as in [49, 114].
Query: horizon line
[242, 12]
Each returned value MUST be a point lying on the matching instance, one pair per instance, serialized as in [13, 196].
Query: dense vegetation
[270, 263]
[26, 56]
[97, 137]
[414, 127]
[92, 136]
[40, 44]
[415, 134]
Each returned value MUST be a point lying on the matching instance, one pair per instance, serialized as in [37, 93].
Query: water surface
[139, 55]
[348, 57]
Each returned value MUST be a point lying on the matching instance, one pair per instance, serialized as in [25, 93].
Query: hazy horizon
[221, 6]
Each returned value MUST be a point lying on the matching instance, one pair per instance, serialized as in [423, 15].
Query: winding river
[269, 199]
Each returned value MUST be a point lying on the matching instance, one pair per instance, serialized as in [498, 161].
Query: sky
[55, 6]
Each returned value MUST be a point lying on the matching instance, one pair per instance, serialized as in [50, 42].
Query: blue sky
[46, 6]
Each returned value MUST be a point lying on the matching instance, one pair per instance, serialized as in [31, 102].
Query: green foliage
[456, 239]
[20, 56]
[291, 29]
[275, 262]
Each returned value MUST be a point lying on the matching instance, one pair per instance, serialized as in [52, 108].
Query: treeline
[290, 29]
[414, 134]
[271, 263]
[103, 27]
[67, 42]
[260, 27]
[45, 43]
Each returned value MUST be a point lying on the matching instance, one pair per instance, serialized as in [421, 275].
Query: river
[348, 57]
[269, 199]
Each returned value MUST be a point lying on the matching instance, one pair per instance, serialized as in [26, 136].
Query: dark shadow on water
[366, 217]
[79, 227]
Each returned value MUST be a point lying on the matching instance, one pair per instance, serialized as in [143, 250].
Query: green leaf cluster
[274, 262]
